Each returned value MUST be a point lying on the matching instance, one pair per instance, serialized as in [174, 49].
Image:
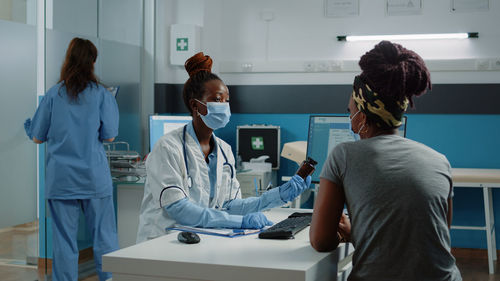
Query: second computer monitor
[159, 125]
[325, 132]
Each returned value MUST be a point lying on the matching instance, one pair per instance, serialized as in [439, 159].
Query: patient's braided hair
[199, 68]
[395, 72]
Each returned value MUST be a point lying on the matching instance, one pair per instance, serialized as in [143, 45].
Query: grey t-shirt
[397, 194]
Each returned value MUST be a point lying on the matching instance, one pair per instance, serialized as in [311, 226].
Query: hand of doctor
[255, 220]
[27, 127]
[294, 187]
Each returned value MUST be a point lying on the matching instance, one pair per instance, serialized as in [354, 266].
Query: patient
[398, 192]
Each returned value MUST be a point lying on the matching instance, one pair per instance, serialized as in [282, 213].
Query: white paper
[470, 5]
[403, 7]
[341, 8]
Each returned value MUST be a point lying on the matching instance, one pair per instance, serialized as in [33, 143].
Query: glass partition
[114, 26]
[18, 195]
[64, 20]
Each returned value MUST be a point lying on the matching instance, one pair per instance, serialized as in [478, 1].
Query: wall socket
[482, 64]
[336, 65]
[247, 67]
[309, 66]
[322, 66]
[495, 64]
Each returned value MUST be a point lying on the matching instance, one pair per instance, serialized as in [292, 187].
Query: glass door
[115, 28]
[18, 168]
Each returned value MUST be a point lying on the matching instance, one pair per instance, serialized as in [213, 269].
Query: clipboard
[223, 232]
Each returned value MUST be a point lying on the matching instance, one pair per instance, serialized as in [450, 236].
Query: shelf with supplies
[125, 165]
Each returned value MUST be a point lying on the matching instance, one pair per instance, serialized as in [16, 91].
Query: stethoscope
[226, 162]
[190, 179]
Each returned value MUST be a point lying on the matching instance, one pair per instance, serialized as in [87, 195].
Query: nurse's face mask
[218, 114]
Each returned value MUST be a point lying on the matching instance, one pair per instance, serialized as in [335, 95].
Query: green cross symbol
[182, 44]
[257, 143]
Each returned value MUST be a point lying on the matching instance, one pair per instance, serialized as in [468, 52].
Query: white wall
[233, 31]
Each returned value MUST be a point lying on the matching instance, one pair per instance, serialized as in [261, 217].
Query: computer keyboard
[288, 227]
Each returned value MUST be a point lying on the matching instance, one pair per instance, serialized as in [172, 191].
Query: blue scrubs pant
[100, 218]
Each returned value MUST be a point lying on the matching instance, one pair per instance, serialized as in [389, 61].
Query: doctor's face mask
[218, 114]
[216, 101]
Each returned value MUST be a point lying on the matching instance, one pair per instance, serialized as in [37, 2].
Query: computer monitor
[254, 141]
[159, 125]
[325, 132]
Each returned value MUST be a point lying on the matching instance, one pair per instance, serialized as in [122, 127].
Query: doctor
[191, 177]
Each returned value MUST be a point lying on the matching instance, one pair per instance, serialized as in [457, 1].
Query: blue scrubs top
[212, 159]
[77, 167]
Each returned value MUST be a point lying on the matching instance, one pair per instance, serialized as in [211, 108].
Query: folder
[224, 232]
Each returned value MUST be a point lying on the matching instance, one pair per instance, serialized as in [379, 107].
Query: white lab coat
[165, 167]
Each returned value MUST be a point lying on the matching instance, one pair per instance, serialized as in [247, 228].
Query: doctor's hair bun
[395, 72]
[199, 68]
[198, 62]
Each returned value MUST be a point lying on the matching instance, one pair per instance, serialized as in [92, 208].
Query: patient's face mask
[355, 135]
[218, 114]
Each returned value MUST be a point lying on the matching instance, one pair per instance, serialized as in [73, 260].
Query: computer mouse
[188, 237]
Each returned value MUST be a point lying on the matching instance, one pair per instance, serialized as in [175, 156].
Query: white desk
[219, 258]
[485, 179]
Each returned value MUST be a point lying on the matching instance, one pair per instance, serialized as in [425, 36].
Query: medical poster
[403, 7]
[470, 5]
[341, 8]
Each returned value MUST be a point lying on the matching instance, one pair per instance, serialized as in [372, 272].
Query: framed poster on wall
[341, 8]
[403, 7]
[470, 5]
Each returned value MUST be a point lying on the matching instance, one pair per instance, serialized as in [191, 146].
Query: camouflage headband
[386, 113]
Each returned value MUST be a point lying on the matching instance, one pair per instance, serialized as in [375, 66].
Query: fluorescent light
[351, 38]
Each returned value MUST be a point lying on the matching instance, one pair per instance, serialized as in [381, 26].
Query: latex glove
[294, 187]
[27, 127]
[255, 220]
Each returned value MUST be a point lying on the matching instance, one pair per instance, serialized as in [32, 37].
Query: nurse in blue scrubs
[74, 118]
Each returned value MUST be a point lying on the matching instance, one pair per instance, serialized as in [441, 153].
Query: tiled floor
[16, 242]
[11, 273]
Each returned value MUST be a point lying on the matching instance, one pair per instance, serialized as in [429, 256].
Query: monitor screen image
[325, 132]
[159, 125]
